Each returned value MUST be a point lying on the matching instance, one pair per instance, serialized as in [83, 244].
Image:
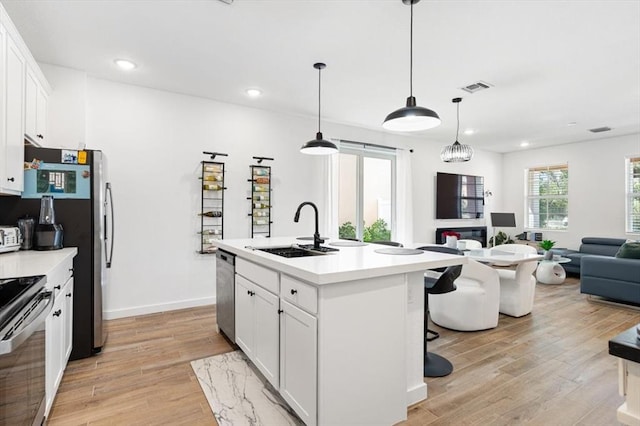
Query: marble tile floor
[238, 394]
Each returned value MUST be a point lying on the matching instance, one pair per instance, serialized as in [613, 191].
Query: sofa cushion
[601, 246]
[611, 268]
[629, 250]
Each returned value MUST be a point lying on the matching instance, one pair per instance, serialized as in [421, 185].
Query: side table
[551, 272]
[626, 347]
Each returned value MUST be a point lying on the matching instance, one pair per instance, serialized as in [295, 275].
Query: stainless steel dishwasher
[225, 293]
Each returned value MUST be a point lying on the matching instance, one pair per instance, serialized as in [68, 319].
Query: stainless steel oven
[24, 307]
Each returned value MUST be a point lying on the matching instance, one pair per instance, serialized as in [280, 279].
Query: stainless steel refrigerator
[84, 207]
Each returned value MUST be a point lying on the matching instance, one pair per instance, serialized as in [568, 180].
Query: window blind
[548, 197]
[633, 194]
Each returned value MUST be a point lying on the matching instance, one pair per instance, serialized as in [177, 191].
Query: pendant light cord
[458, 118]
[411, 53]
[319, 79]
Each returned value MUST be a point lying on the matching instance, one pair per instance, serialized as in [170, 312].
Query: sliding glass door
[366, 209]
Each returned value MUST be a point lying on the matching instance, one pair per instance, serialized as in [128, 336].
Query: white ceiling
[550, 62]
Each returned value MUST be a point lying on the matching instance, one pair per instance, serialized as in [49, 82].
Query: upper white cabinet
[35, 108]
[11, 178]
[24, 95]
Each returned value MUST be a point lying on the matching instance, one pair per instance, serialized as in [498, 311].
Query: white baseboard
[416, 394]
[153, 309]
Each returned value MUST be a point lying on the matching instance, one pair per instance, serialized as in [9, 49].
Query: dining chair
[517, 287]
[469, 244]
[475, 303]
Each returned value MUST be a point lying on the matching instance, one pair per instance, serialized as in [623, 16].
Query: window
[633, 194]
[366, 194]
[548, 197]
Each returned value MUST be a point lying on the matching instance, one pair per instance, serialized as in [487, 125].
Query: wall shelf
[260, 200]
[211, 205]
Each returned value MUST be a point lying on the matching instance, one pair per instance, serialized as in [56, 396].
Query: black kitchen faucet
[316, 236]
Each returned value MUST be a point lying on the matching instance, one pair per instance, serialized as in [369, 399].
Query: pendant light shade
[456, 152]
[319, 146]
[412, 117]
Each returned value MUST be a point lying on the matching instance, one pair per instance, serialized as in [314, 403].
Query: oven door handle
[11, 344]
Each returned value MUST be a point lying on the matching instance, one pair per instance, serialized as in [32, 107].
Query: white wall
[596, 186]
[153, 141]
[426, 163]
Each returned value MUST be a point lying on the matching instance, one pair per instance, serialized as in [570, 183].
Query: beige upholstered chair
[475, 303]
[517, 288]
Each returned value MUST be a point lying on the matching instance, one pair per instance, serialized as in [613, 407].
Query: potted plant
[546, 246]
[500, 238]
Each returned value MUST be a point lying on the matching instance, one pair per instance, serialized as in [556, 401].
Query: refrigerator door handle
[106, 233]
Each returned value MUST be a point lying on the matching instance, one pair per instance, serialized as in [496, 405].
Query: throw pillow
[629, 250]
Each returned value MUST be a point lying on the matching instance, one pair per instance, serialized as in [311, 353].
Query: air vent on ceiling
[476, 87]
[600, 129]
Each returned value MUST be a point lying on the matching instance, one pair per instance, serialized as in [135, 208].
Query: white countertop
[349, 263]
[33, 262]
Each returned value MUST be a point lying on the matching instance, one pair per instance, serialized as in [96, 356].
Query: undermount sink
[296, 250]
[289, 251]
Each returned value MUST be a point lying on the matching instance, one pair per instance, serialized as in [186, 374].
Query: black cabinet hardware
[293, 291]
[57, 313]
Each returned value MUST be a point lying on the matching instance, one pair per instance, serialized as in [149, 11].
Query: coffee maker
[48, 233]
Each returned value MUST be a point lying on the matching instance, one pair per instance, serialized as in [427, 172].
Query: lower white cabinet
[257, 327]
[59, 330]
[278, 336]
[298, 361]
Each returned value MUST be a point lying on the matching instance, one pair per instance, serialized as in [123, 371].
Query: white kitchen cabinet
[298, 361]
[20, 79]
[12, 138]
[257, 327]
[36, 99]
[59, 328]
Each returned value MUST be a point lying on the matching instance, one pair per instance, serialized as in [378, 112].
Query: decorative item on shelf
[500, 238]
[457, 152]
[211, 203]
[319, 146]
[546, 246]
[260, 198]
[412, 117]
[451, 238]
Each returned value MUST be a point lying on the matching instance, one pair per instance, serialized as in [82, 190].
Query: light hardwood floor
[548, 368]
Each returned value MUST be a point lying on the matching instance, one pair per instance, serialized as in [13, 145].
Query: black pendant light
[456, 152]
[411, 118]
[319, 146]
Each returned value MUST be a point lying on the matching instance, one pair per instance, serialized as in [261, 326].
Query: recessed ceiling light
[573, 123]
[524, 143]
[125, 64]
[469, 132]
[254, 93]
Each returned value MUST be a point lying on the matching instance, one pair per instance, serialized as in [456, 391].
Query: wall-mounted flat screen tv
[459, 196]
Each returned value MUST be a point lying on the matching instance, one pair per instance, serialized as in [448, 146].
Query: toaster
[10, 238]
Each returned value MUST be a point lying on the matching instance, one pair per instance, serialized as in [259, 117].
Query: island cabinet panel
[266, 335]
[298, 361]
[244, 315]
[257, 327]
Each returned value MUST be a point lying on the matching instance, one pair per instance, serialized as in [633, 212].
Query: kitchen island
[340, 335]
